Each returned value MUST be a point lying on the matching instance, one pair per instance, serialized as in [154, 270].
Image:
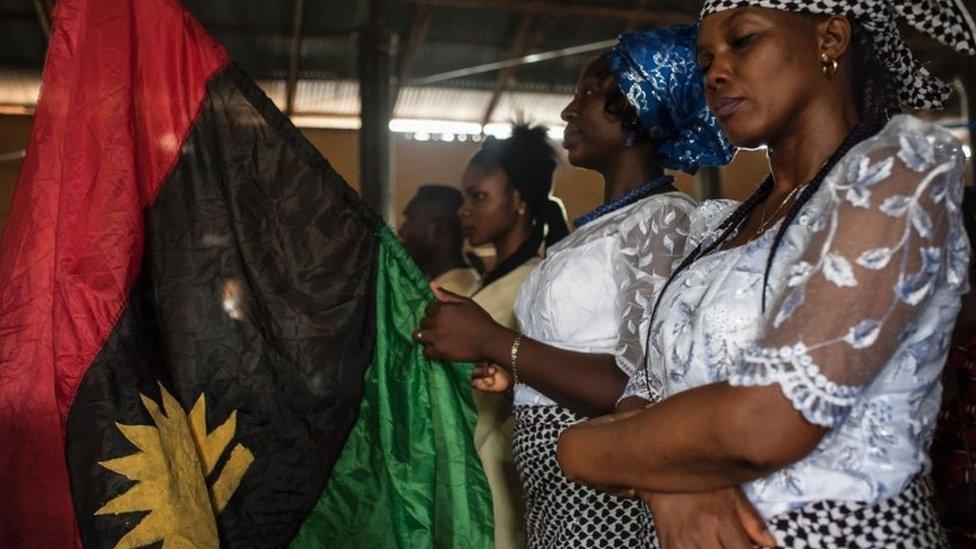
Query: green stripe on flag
[409, 475]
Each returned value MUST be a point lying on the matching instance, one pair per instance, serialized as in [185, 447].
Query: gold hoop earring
[828, 65]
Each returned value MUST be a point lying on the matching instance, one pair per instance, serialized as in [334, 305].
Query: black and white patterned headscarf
[948, 21]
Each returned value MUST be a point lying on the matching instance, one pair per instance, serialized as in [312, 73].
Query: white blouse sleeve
[650, 249]
[880, 239]
[652, 241]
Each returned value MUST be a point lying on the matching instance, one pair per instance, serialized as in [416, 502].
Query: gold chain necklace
[763, 222]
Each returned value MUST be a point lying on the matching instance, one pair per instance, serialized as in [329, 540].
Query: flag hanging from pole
[204, 333]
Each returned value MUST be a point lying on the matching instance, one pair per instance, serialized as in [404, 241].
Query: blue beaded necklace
[626, 200]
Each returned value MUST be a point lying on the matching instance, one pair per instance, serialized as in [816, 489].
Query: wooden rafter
[555, 8]
[43, 17]
[416, 36]
[528, 37]
[254, 30]
[247, 29]
[633, 21]
[294, 54]
[518, 61]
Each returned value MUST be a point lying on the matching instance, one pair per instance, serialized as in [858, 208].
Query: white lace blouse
[863, 295]
[592, 290]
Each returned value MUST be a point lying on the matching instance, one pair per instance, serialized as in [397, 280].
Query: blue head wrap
[657, 70]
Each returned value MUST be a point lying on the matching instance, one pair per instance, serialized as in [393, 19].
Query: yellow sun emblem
[170, 470]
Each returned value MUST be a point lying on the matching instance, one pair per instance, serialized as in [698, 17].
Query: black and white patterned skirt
[560, 513]
[904, 521]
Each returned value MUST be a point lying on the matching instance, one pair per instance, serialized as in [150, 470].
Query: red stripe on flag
[123, 81]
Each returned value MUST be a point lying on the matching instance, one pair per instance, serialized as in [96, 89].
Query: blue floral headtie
[657, 70]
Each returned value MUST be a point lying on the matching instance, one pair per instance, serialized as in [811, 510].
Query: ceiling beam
[294, 55]
[416, 36]
[265, 32]
[43, 18]
[506, 76]
[517, 62]
[555, 8]
[525, 41]
[632, 20]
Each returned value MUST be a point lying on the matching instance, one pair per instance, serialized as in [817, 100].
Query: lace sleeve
[877, 242]
[631, 349]
[652, 242]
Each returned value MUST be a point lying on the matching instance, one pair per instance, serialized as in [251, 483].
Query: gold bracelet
[513, 359]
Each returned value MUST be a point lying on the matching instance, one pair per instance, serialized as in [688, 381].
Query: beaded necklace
[626, 200]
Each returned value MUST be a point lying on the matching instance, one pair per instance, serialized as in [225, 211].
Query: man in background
[431, 233]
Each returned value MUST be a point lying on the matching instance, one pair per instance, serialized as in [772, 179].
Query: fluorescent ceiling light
[440, 127]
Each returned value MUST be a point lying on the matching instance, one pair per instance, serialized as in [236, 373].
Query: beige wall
[417, 163]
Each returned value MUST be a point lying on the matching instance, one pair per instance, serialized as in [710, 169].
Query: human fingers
[752, 522]
[487, 386]
[732, 536]
[622, 493]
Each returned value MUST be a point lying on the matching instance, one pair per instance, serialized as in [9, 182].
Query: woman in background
[507, 203]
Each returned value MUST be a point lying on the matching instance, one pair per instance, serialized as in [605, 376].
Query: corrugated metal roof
[337, 99]
[470, 32]
[490, 28]
[442, 104]
[539, 108]
[460, 34]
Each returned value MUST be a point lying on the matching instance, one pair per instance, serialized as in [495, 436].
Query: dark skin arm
[457, 329]
[725, 436]
[718, 518]
[632, 403]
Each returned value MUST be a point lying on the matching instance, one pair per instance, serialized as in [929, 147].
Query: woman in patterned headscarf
[637, 110]
[798, 348]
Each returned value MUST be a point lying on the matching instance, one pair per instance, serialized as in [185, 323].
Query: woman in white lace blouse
[584, 303]
[798, 348]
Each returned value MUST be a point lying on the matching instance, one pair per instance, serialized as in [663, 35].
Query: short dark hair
[447, 200]
[449, 196]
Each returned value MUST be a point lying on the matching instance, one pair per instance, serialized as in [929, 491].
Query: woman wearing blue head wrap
[637, 110]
